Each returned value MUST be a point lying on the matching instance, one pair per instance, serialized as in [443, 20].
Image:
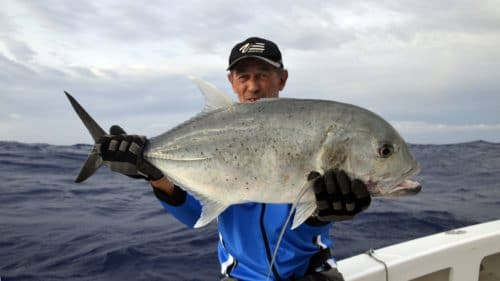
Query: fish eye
[385, 150]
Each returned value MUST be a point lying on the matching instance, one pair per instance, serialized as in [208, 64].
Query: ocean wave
[113, 228]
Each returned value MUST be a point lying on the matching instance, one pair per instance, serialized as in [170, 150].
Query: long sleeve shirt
[248, 236]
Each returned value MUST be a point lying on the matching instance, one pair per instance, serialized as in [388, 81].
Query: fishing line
[371, 253]
[283, 229]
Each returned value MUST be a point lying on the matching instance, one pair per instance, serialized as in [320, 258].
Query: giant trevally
[263, 151]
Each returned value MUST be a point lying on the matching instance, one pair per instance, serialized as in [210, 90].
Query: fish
[234, 153]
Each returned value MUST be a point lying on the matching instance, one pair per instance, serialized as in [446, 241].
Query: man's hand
[123, 154]
[337, 196]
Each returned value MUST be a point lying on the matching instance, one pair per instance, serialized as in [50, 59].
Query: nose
[253, 85]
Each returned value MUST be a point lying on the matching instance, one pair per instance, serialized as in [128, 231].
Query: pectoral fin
[303, 212]
[209, 211]
[302, 208]
[304, 205]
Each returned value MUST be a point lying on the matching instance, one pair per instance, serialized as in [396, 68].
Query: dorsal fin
[214, 98]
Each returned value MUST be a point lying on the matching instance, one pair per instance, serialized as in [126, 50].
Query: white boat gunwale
[460, 252]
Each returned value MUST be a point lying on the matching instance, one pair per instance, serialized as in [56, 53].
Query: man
[249, 232]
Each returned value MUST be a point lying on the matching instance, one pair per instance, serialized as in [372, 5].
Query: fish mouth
[407, 187]
[404, 186]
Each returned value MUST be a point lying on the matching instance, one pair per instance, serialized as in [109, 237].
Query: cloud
[449, 15]
[423, 132]
[34, 108]
[59, 16]
[19, 50]
[411, 61]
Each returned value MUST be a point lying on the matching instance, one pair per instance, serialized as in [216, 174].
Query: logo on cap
[252, 48]
[258, 48]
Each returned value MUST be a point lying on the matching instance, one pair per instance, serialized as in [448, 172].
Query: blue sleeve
[187, 211]
[320, 234]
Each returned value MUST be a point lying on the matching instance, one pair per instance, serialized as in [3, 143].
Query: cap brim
[273, 63]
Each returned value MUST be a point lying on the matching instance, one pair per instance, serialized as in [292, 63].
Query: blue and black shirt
[248, 235]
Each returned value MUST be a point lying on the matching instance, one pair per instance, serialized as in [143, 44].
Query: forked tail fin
[94, 161]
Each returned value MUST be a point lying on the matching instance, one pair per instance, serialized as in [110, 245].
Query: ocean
[113, 228]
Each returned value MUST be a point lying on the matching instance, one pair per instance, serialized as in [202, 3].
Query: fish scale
[234, 153]
[242, 147]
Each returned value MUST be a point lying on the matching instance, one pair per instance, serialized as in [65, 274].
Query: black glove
[123, 154]
[337, 196]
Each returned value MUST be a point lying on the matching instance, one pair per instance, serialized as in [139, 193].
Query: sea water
[112, 227]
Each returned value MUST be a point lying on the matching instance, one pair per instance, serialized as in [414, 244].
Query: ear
[283, 78]
[230, 77]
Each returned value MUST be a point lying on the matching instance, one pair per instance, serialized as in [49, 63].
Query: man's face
[253, 79]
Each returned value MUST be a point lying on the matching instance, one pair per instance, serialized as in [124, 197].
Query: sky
[430, 68]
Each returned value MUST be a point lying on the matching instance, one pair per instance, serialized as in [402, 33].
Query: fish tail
[94, 160]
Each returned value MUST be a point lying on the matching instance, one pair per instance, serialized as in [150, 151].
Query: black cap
[258, 48]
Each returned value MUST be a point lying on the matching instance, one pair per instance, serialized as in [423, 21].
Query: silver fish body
[262, 152]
